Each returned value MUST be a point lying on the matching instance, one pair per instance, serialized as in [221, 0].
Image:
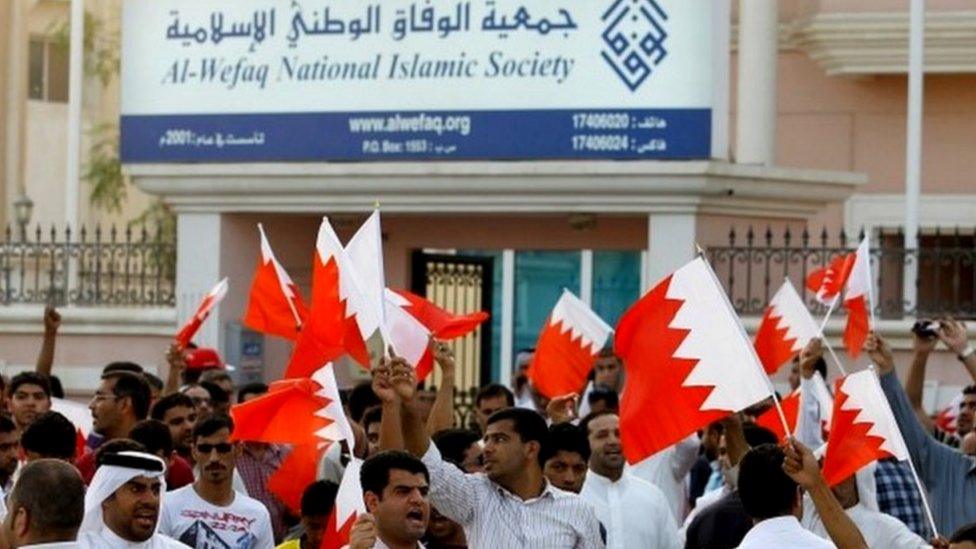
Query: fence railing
[941, 270]
[133, 266]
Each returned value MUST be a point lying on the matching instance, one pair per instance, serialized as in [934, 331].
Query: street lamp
[23, 208]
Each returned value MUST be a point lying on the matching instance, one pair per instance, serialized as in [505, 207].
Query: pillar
[755, 141]
[670, 243]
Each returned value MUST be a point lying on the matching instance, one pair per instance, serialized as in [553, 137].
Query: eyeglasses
[221, 447]
[100, 397]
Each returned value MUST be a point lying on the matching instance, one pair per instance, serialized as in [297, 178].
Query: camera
[926, 329]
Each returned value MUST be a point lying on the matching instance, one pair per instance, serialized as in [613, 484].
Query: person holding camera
[926, 336]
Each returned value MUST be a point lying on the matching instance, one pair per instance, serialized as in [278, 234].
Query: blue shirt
[949, 476]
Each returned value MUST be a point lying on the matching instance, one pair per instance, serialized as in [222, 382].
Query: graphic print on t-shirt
[210, 530]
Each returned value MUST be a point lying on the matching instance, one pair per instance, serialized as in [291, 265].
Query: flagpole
[755, 358]
[830, 349]
[911, 464]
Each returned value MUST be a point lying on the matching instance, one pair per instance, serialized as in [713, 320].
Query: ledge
[26, 319]
[498, 187]
[877, 42]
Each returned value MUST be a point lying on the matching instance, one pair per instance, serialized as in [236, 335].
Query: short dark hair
[217, 394]
[318, 499]
[153, 381]
[154, 435]
[969, 390]
[964, 533]
[494, 390]
[565, 437]
[57, 390]
[30, 378]
[373, 414]
[584, 423]
[123, 366]
[361, 397]
[7, 424]
[452, 443]
[211, 424]
[53, 494]
[51, 435]
[757, 435]
[251, 389]
[529, 425]
[374, 475]
[764, 488]
[131, 386]
[821, 366]
[115, 446]
[606, 394]
[168, 402]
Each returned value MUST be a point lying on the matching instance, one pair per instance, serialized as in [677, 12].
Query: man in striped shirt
[512, 504]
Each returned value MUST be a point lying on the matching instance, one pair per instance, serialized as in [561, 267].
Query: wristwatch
[966, 353]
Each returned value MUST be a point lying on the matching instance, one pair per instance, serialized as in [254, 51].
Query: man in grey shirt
[511, 504]
[949, 476]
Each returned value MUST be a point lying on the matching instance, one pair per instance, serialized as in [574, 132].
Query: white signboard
[304, 80]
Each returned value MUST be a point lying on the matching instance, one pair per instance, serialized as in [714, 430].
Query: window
[47, 71]
[540, 277]
[946, 274]
[616, 283]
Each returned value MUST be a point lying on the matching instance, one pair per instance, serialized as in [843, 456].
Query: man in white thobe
[122, 504]
[633, 511]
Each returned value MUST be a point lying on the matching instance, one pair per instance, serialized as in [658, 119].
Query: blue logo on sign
[636, 38]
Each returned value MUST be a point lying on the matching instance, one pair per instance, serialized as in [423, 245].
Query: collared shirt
[667, 470]
[782, 532]
[493, 517]
[878, 529]
[898, 496]
[256, 464]
[633, 511]
[949, 476]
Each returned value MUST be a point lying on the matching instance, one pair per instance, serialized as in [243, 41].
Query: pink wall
[858, 124]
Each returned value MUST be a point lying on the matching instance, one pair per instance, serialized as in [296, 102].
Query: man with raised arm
[511, 504]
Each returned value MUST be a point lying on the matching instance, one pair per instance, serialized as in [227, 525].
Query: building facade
[813, 139]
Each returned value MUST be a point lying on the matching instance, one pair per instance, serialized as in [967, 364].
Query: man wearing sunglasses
[209, 509]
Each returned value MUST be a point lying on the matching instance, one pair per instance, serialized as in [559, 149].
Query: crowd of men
[161, 468]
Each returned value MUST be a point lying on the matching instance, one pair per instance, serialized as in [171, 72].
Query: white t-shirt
[244, 524]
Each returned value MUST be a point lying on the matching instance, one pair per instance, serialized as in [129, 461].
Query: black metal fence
[752, 267]
[134, 266]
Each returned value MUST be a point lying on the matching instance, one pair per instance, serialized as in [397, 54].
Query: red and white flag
[850, 273]
[567, 347]
[375, 306]
[828, 282]
[408, 335]
[348, 506]
[325, 335]
[863, 428]
[442, 323]
[791, 410]
[363, 277]
[339, 427]
[688, 359]
[785, 330]
[947, 417]
[858, 300]
[275, 306]
[207, 304]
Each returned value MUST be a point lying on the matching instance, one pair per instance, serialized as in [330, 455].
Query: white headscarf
[109, 478]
